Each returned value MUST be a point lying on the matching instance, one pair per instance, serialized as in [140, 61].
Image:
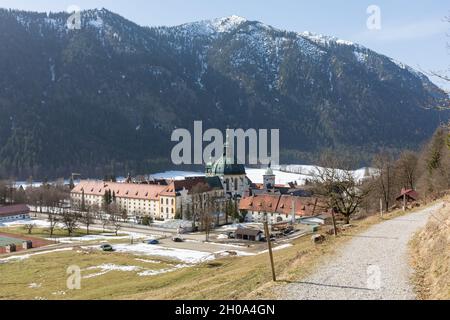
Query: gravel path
[373, 265]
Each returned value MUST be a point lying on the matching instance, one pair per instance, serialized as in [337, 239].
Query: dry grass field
[431, 257]
[126, 276]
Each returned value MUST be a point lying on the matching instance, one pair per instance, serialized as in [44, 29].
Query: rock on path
[373, 265]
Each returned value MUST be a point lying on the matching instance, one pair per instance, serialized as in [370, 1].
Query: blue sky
[414, 33]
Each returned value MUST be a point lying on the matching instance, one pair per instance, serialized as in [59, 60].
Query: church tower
[269, 179]
[232, 174]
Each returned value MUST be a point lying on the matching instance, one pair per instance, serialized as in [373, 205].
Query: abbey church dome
[225, 166]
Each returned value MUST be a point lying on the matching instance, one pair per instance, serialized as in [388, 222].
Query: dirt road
[373, 265]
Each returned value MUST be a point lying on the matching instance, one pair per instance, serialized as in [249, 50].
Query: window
[172, 202]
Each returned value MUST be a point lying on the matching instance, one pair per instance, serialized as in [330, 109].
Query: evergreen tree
[83, 203]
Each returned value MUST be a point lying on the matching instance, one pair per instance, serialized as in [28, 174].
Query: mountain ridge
[109, 95]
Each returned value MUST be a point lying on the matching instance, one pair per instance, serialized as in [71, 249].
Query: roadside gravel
[372, 266]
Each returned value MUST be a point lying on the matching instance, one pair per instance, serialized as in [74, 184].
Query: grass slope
[430, 249]
[226, 278]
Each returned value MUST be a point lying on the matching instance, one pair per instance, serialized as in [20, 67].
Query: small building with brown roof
[410, 195]
[276, 207]
[249, 234]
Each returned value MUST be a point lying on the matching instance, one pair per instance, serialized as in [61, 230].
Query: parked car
[177, 239]
[152, 241]
[106, 247]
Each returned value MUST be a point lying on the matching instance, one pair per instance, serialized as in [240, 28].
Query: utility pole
[293, 210]
[334, 222]
[314, 208]
[404, 201]
[381, 207]
[269, 244]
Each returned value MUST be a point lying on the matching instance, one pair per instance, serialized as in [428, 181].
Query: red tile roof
[13, 210]
[412, 194]
[122, 190]
[190, 183]
[281, 204]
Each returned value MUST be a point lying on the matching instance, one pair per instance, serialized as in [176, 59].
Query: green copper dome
[224, 166]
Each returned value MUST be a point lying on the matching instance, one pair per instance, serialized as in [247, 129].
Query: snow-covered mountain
[106, 97]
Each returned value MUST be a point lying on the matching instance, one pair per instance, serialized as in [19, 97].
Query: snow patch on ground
[142, 272]
[147, 260]
[100, 237]
[237, 253]
[281, 247]
[36, 222]
[147, 273]
[188, 256]
[108, 267]
[28, 255]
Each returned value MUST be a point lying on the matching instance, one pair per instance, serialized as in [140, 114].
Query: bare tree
[70, 219]
[53, 221]
[115, 217]
[29, 227]
[445, 76]
[384, 163]
[211, 207]
[198, 202]
[104, 218]
[434, 166]
[335, 181]
[406, 169]
[87, 217]
[3, 192]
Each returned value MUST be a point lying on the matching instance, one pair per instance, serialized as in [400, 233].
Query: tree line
[426, 171]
